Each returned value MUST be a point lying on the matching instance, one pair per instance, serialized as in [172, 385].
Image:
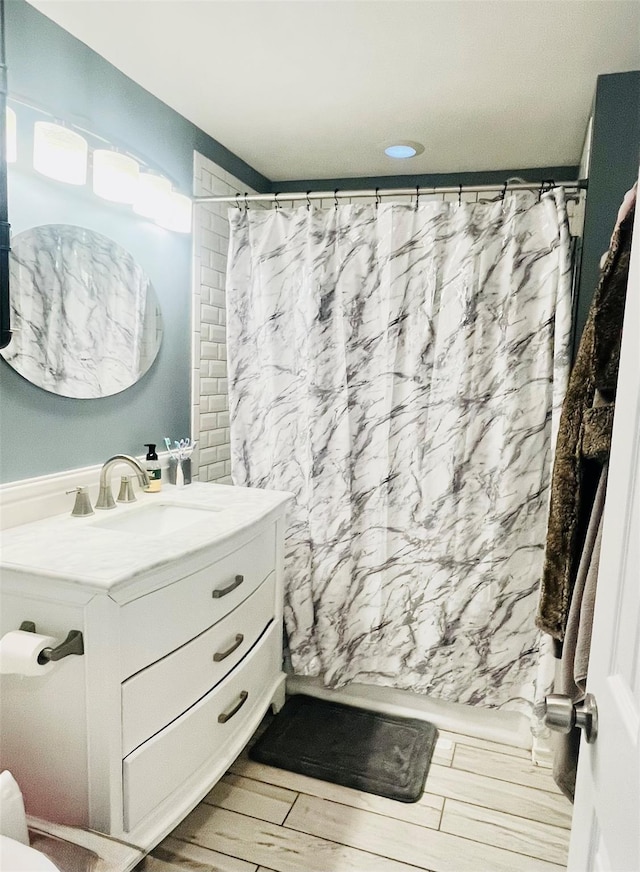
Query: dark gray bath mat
[369, 751]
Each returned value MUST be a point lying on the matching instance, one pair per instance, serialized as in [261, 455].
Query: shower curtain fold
[400, 369]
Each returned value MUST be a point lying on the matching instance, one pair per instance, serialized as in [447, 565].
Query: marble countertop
[83, 551]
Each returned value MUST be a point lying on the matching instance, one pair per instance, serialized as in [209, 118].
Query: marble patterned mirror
[85, 317]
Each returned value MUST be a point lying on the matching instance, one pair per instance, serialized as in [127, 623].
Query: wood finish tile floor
[486, 808]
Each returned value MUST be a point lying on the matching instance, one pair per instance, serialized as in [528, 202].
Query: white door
[606, 823]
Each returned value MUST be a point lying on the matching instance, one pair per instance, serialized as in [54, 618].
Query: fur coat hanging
[584, 435]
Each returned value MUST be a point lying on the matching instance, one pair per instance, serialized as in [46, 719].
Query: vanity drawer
[158, 623]
[157, 768]
[163, 691]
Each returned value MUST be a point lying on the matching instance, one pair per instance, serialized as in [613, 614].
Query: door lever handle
[562, 715]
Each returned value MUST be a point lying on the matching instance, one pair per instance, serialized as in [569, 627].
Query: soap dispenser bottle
[152, 465]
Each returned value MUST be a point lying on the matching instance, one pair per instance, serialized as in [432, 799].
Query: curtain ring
[459, 195]
[246, 204]
[237, 200]
[275, 198]
[378, 198]
[417, 195]
[335, 198]
[308, 202]
[503, 193]
[545, 185]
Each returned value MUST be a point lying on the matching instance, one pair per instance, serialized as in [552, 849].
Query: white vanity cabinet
[182, 660]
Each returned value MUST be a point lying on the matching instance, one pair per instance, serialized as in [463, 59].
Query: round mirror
[85, 318]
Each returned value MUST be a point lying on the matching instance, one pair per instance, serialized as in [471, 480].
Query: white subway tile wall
[210, 405]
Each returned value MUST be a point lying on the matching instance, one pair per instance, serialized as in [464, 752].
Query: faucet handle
[82, 505]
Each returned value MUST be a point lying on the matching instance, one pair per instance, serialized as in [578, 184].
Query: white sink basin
[161, 519]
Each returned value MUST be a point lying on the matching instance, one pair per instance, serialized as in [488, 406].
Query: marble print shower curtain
[400, 370]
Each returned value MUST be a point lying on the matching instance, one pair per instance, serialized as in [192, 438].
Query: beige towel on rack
[572, 678]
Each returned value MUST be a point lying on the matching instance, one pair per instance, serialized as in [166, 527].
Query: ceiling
[308, 90]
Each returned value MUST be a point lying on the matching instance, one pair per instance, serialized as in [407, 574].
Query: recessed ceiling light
[400, 150]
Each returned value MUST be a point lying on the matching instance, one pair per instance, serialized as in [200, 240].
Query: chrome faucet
[105, 497]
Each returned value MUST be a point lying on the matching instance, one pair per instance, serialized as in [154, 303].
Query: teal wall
[433, 180]
[42, 433]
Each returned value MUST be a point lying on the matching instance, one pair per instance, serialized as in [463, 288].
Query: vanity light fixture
[60, 153]
[177, 213]
[12, 136]
[400, 150]
[115, 176]
[151, 195]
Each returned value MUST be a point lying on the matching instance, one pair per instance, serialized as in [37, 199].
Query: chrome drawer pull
[223, 591]
[222, 655]
[226, 716]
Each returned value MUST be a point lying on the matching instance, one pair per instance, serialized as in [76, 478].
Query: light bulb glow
[60, 153]
[177, 213]
[12, 136]
[151, 196]
[115, 176]
[400, 151]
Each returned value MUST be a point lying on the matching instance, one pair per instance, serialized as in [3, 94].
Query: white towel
[13, 821]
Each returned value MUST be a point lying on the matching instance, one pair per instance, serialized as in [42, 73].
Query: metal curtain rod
[389, 192]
